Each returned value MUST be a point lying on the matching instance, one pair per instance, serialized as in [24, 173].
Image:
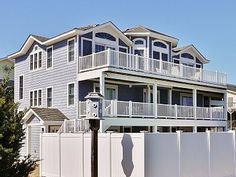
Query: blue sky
[209, 25]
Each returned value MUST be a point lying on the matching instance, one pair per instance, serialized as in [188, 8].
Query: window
[21, 87]
[99, 48]
[139, 42]
[160, 44]
[39, 97]
[107, 36]
[139, 52]
[187, 55]
[35, 98]
[71, 50]
[160, 50]
[71, 94]
[49, 57]
[35, 58]
[35, 61]
[122, 49]
[31, 98]
[49, 97]
[31, 62]
[40, 59]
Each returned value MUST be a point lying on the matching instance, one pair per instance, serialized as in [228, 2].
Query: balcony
[129, 109]
[130, 62]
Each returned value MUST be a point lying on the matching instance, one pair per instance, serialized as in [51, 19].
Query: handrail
[133, 62]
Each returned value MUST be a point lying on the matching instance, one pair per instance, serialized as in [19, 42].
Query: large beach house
[148, 82]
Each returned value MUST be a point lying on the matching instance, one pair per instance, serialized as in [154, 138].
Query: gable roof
[192, 47]
[141, 30]
[49, 41]
[45, 114]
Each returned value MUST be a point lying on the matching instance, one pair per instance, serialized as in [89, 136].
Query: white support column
[225, 105]
[155, 99]
[170, 96]
[195, 103]
[194, 129]
[148, 94]
[102, 84]
[154, 129]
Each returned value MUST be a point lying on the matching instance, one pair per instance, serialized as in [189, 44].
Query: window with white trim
[36, 97]
[160, 50]
[21, 87]
[71, 50]
[35, 58]
[71, 94]
[49, 57]
[49, 97]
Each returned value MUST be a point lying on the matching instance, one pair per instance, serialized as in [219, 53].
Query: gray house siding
[57, 77]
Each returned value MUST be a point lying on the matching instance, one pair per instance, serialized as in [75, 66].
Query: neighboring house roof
[139, 30]
[6, 59]
[49, 41]
[194, 49]
[46, 114]
[231, 87]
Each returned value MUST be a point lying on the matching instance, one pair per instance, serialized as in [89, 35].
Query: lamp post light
[94, 115]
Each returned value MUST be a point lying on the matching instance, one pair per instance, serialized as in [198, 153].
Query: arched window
[160, 50]
[107, 36]
[160, 44]
[187, 55]
[139, 42]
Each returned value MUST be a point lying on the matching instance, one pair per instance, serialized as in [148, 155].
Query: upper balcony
[126, 61]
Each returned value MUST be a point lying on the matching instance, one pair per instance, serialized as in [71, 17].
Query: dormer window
[187, 55]
[160, 50]
[139, 42]
[107, 36]
[35, 58]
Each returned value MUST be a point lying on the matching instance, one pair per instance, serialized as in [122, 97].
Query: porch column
[154, 129]
[148, 94]
[102, 83]
[170, 96]
[225, 106]
[194, 129]
[195, 103]
[155, 100]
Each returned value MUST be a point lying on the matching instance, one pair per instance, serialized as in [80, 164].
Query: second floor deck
[126, 62]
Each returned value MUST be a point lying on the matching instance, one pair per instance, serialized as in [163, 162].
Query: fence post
[64, 126]
[115, 108]
[234, 147]
[179, 150]
[59, 155]
[208, 133]
[181, 70]
[40, 155]
[130, 109]
[161, 66]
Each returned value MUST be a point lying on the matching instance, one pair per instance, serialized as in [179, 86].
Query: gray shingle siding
[57, 77]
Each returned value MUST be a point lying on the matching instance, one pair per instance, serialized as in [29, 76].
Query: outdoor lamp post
[94, 115]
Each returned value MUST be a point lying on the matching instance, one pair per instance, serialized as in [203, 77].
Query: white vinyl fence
[140, 155]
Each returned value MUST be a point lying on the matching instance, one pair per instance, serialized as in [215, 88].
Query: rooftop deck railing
[129, 109]
[148, 65]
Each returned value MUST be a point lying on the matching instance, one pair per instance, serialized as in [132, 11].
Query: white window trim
[47, 57]
[19, 87]
[107, 86]
[47, 96]
[161, 50]
[72, 105]
[37, 99]
[82, 44]
[33, 52]
[73, 61]
[140, 46]
[105, 46]
[184, 95]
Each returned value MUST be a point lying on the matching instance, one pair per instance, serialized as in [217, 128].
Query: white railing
[138, 63]
[115, 108]
[73, 126]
